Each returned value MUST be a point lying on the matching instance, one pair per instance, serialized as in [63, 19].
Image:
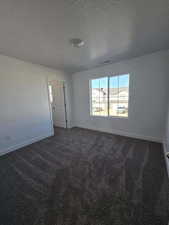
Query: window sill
[110, 117]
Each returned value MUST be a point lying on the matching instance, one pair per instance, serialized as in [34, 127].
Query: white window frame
[90, 97]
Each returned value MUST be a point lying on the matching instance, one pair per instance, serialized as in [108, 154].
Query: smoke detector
[77, 42]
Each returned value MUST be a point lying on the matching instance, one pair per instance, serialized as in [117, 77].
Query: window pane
[124, 80]
[104, 109]
[113, 96]
[99, 96]
[119, 95]
[113, 89]
[96, 106]
[95, 83]
[113, 108]
[104, 86]
[123, 95]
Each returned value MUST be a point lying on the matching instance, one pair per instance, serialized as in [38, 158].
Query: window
[110, 96]
[100, 96]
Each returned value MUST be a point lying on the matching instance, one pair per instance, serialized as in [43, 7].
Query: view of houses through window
[110, 96]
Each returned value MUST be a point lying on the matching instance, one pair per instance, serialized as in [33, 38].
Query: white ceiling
[39, 30]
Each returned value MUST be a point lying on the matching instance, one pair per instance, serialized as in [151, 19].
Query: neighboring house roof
[123, 91]
[98, 92]
[117, 91]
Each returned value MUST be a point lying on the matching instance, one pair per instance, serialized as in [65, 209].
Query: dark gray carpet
[83, 177]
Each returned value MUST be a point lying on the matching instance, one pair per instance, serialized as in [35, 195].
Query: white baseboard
[123, 133]
[166, 159]
[25, 143]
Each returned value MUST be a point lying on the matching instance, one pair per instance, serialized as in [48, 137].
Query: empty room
[84, 112]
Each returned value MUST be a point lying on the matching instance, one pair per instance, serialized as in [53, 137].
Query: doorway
[57, 97]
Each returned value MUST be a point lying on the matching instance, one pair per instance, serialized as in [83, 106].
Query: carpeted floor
[83, 177]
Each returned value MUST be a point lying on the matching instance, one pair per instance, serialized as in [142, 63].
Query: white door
[58, 103]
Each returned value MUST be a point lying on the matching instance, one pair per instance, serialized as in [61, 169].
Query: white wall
[167, 129]
[166, 136]
[148, 96]
[24, 106]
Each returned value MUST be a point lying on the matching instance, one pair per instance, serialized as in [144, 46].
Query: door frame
[65, 102]
[49, 105]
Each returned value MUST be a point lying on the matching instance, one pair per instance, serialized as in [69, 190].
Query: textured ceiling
[39, 30]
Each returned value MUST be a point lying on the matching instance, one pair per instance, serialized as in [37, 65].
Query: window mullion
[99, 95]
[118, 97]
[108, 96]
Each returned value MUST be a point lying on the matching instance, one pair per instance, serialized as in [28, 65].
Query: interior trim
[25, 143]
[124, 133]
